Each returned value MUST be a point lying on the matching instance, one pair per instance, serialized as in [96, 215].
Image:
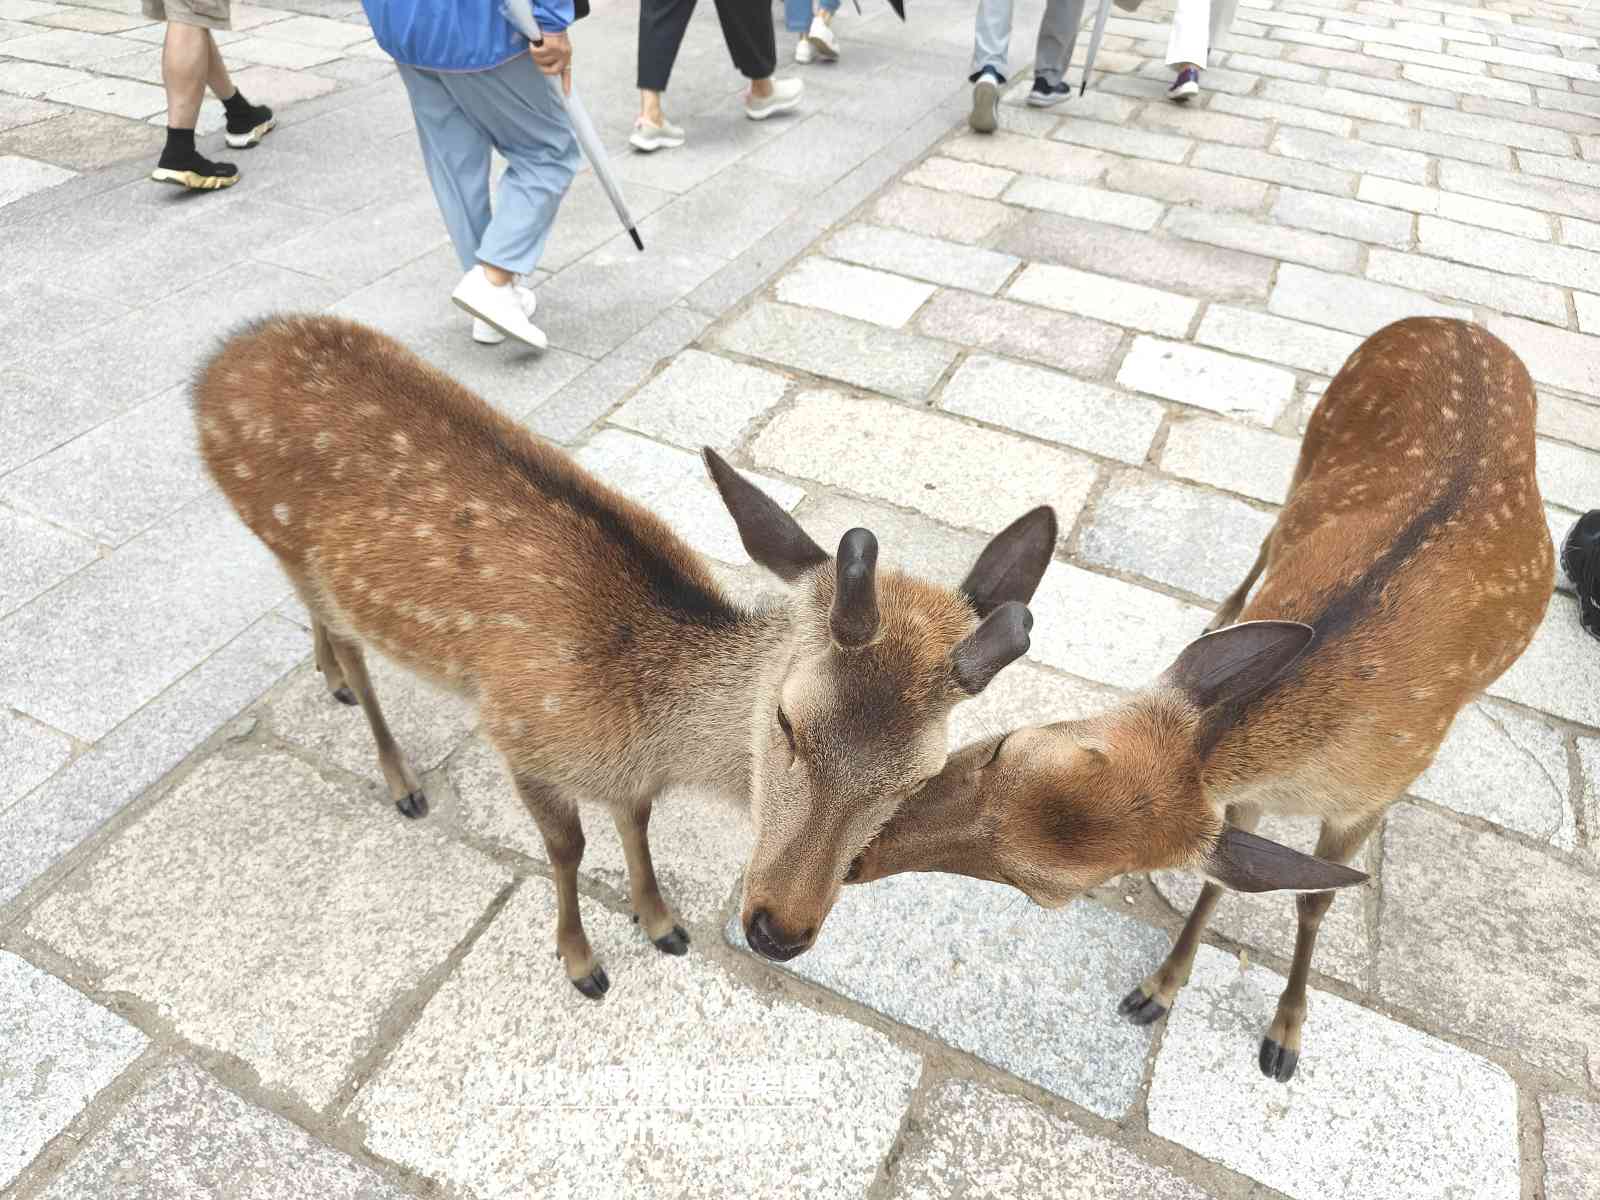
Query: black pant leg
[747, 28]
[661, 28]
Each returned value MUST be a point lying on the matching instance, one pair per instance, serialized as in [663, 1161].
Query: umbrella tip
[637, 240]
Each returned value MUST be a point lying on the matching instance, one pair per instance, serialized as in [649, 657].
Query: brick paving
[226, 967]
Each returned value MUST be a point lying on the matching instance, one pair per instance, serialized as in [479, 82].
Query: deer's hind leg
[649, 909]
[404, 789]
[557, 818]
[328, 663]
[1280, 1049]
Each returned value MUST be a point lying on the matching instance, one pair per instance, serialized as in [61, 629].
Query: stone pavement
[228, 968]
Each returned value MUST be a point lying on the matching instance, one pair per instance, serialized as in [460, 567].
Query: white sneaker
[803, 53]
[498, 307]
[785, 95]
[985, 104]
[486, 334]
[822, 40]
[647, 137]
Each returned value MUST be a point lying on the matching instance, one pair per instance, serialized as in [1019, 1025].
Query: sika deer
[1409, 568]
[605, 661]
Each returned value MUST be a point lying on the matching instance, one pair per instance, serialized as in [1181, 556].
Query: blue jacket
[460, 35]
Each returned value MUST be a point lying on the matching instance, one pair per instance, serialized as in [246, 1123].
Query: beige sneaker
[785, 95]
[647, 137]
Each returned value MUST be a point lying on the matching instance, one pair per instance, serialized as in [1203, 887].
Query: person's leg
[991, 39]
[752, 44]
[797, 15]
[1058, 32]
[185, 66]
[1190, 37]
[456, 154]
[662, 24]
[820, 37]
[1221, 21]
[247, 123]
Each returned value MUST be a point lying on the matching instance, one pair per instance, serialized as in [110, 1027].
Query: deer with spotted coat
[605, 661]
[1410, 566]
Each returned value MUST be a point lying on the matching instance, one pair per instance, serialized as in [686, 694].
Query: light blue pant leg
[455, 151]
[991, 39]
[797, 13]
[1058, 30]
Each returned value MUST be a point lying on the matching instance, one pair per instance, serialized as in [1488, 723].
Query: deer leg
[328, 663]
[1234, 604]
[1280, 1049]
[404, 789]
[557, 818]
[649, 909]
[1151, 1000]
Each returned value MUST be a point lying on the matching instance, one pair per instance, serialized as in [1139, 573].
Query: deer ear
[771, 536]
[1011, 565]
[1234, 663]
[1247, 863]
[999, 640]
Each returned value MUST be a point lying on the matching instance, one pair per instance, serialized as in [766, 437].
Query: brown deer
[605, 661]
[1410, 566]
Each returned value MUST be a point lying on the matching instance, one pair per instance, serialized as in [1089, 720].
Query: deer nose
[770, 940]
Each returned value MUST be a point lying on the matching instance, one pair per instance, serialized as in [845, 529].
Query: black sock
[236, 103]
[180, 142]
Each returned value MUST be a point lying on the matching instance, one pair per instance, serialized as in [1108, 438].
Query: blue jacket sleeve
[555, 15]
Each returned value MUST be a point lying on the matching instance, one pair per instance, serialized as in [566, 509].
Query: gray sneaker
[985, 116]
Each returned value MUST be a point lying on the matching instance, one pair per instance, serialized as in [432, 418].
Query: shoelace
[1580, 558]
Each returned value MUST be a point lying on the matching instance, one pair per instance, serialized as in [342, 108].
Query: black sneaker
[1185, 86]
[1580, 559]
[196, 172]
[247, 128]
[1046, 94]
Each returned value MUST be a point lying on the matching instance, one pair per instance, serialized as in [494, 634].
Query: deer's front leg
[557, 818]
[1152, 999]
[649, 909]
[1280, 1049]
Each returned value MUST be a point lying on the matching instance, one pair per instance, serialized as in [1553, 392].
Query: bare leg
[217, 78]
[1280, 1049]
[1150, 1001]
[650, 106]
[404, 789]
[649, 909]
[328, 664]
[1234, 604]
[185, 64]
[557, 818]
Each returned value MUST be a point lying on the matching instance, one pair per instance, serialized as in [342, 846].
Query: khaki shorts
[212, 14]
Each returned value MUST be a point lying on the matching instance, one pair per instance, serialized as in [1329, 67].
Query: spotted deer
[605, 661]
[1409, 567]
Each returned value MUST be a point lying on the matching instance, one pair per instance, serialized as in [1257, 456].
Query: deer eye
[788, 730]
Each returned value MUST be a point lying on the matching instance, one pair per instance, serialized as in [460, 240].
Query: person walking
[991, 45]
[475, 87]
[189, 62]
[815, 27]
[1197, 25]
[747, 29]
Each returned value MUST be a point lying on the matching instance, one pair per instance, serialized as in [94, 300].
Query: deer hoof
[1276, 1062]
[1141, 1009]
[345, 696]
[593, 985]
[675, 943]
[414, 805]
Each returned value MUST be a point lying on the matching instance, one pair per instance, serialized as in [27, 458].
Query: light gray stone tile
[1056, 407]
[948, 263]
[699, 843]
[813, 1100]
[65, 47]
[29, 754]
[945, 215]
[1351, 156]
[21, 177]
[1485, 248]
[58, 1052]
[1206, 379]
[888, 945]
[674, 484]
[1560, 522]
[319, 31]
[1258, 164]
[723, 216]
[292, 914]
[1363, 1080]
[1354, 305]
[1060, 340]
[1553, 356]
[1108, 631]
[121, 97]
[955, 175]
[1236, 458]
[90, 20]
[16, 112]
[1571, 1146]
[270, 52]
[363, 245]
[1568, 476]
[83, 141]
[952, 471]
[1506, 767]
[1543, 677]
[818, 149]
[1569, 420]
[1468, 85]
[1348, 218]
[182, 1136]
[1024, 694]
[970, 1141]
[1506, 133]
[1508, 218]
[99, 646]
[47, 824]
[1088, 203]
[702, 400]
[884, 360]
[1588, 309]
[1029, 155]
[595, 305]
[1276, 339]
[1509, 293]
[38, 556]
[1525, 191]
[1267, 920]
[1114, 301]
[1285, 114]
[1205, 126]
[1487, 949]
[1338, 100]
[861, 293]
[1187, 185]
[1123, 139]
[32, 80]
[1144, 258]
[1259, 237]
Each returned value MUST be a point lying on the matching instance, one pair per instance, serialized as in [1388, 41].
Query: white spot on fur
[323, 440]
[281, 513]
[552, 703]
[401, 443]
[243, 471]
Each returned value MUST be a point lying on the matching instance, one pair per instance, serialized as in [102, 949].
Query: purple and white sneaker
[1187, 84]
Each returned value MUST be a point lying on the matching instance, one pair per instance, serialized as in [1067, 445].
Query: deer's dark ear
[1234, 663]
[771, 536]
[1011, 565]
[999, 640]
[1247, 863]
